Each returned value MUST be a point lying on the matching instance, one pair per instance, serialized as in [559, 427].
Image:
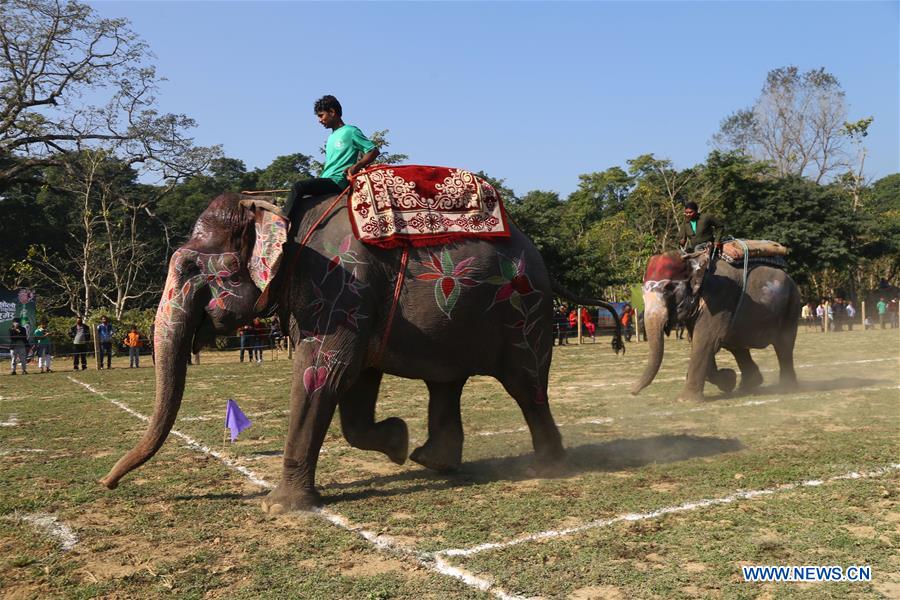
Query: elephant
[467, 307]
[704, 293]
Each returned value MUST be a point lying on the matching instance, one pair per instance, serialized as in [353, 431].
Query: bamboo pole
[95, 329]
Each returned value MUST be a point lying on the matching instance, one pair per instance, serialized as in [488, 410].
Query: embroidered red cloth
[423, 206]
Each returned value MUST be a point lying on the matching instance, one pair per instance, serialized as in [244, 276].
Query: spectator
[881, 307]
[829, 313]
[133, 341]
[18, 347]
[588, 323]
[562, 326]
[839, 313]
[260, 333]
[81, 335]
[105, 333]
[851, 314]
[247, 341]
[806, 315]
[275, 332]
[42, 344]
[627, 322]
[894, 312]
[820, 315]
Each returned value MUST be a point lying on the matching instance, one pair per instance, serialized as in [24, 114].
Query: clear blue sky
[535, 93]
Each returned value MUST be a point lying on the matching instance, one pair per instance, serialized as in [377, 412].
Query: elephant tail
[559, 290]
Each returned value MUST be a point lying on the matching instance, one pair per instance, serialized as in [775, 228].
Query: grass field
[822, 459]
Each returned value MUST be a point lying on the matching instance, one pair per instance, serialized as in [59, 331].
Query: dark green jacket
[708, 229]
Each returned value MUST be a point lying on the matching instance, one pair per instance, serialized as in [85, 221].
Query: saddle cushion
[423, 206]
[733, 250]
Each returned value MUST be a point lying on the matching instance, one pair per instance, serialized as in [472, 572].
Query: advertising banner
[17, 304]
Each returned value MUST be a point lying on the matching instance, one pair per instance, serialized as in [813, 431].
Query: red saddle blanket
[424, 206]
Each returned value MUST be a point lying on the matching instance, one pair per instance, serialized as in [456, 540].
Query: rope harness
[401, 276]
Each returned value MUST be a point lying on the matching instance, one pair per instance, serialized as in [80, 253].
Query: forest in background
[81, 136]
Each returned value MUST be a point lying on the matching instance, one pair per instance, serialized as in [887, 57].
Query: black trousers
[319, 186]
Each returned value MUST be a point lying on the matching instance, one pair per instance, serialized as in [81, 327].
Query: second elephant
[706, 297]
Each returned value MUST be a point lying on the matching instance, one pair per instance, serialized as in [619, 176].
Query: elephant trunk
[655, 317]
[175, 323]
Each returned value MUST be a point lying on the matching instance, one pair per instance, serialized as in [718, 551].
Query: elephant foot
[438, 457]
[283, 499]
[725, 380]
[397, 435]
[551, 463]
[751, 381]
[788, 384]
[686, 396]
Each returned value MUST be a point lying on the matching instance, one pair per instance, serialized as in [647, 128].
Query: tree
[52, 56]
[797, 123]
[656, 204]
[284, 172]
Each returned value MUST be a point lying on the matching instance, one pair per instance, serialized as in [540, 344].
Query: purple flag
[235, 420]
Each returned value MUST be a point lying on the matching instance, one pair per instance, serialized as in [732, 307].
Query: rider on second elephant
[698, 229]
[342, 155]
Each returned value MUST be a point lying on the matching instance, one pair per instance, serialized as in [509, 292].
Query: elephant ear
[697, 264]
[270, 234]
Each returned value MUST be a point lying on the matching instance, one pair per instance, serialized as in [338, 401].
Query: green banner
[17, 304]
[637, 297]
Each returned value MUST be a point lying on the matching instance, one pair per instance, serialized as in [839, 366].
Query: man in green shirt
[882, 311]
[42, 340]
[698, 229]
[342, 155]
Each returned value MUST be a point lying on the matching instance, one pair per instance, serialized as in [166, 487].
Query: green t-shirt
[882, 307]
[693, 226]
[342, 150]
[40, 336]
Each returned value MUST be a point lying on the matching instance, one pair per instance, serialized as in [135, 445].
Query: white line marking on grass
[380, 542]
[668, 413]
[674, 379]
[191, 442]
[11, 422]
[687, 506]
[52, 526]
[19, 451]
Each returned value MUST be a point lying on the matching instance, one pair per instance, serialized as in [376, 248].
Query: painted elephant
[681, 287]
[461, 309]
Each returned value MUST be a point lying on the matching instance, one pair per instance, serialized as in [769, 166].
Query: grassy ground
[187, 524]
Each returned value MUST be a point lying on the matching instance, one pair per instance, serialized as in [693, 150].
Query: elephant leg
[703, 352]
[724, 379]
[751, 378]
[784, 350]
[531, 396]
[357, 408]
[315, 391]
[443, 449]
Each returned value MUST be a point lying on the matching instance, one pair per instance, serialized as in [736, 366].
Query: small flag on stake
[235, 419]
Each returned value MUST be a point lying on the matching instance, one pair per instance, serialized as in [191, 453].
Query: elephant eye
[234, 279]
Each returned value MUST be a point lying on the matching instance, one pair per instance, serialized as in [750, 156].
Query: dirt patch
[597, 592]
[694, 567]
[866, 532]
[373, 565]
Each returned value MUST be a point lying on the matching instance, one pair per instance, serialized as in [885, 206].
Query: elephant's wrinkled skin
[706, 301]
[469, 308]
